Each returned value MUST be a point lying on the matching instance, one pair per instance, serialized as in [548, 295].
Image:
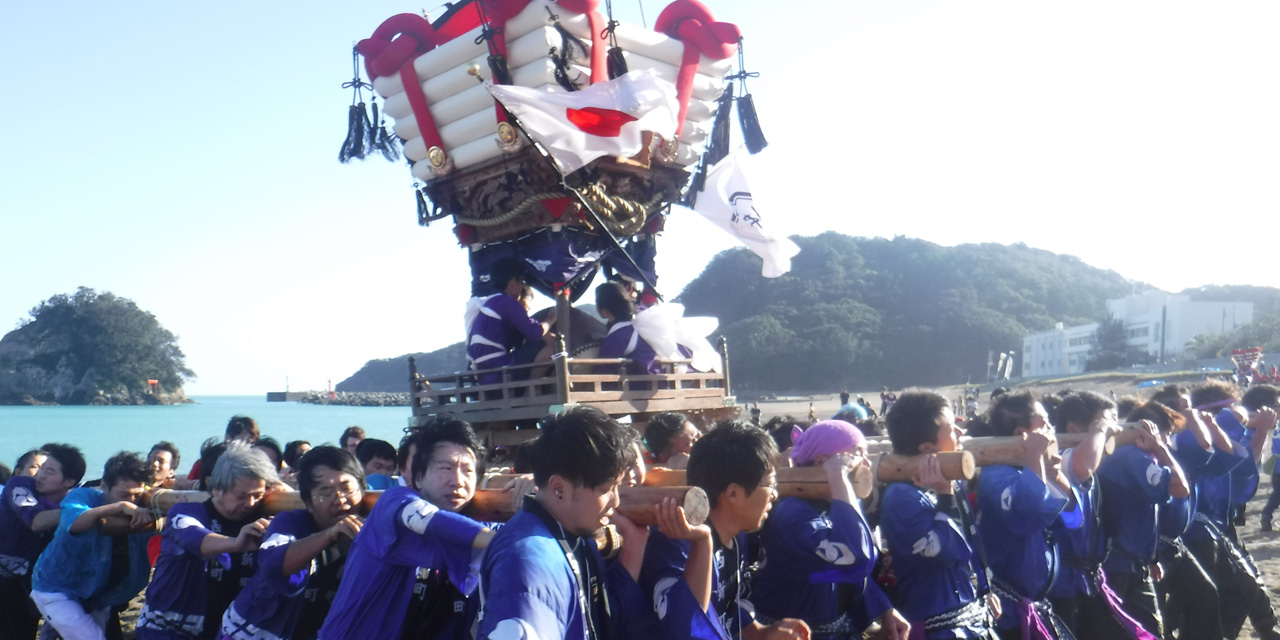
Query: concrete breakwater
[357, 399]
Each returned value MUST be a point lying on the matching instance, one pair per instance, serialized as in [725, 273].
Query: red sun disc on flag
[606, 123]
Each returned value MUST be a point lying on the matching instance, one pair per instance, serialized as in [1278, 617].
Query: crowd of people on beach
[1141, 542]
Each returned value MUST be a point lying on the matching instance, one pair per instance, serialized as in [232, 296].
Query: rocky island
[91, 348]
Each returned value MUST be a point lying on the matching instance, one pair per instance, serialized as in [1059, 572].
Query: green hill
[859, 312]
[392, 374]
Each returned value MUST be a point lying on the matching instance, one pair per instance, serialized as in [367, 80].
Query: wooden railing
[565, 381]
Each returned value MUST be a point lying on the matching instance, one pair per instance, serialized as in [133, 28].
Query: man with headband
[819, 555]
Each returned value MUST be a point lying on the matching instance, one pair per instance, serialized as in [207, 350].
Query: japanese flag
[605, 119]
[726, 201]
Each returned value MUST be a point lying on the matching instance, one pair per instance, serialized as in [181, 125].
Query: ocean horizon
[101, 432]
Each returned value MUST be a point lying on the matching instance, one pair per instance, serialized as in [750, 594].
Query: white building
[1160, 324]
[1057, 351]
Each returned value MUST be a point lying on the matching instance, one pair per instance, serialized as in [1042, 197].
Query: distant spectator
[378, 460]
[242, 428]
[164, 459]
[351, 439]
[522, 461]
[669, 437]
[210, 451]
[850, 412]
[1126, 405]
[871, 413]
[887, 398]
[294, 450]
[238, 428]
[5, 474]
[271, 448]
[779, 428]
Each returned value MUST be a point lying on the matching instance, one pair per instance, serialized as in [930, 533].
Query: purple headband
[828, 437]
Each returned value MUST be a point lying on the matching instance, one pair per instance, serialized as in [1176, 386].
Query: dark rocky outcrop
[91, 348]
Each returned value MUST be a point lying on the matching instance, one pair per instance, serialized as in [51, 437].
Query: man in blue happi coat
[929, 529]
[542, 576]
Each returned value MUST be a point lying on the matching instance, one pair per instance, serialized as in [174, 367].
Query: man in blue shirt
[818, 555]
[1212, 535]
[28, 516]
[303, 553]
[1138, 481]
[542, 576]
[1017, 505]
[499, 331]
[1190, 605]
[942, 580]
[411, 530]
[83, 573]
[208, 550]
[699, 585]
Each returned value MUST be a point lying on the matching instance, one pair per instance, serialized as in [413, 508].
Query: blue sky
[183, 155]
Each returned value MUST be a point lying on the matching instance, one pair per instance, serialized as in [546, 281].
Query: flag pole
[474, 70]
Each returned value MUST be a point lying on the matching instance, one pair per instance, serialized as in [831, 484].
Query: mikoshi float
[450, 87]
[478, 167]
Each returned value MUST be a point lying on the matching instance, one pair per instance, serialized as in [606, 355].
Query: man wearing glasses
[302, 554]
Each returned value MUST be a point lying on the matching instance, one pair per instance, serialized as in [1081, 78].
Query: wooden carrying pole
[1008, 450]
[955, 465]
[636, 503]
[809, 483]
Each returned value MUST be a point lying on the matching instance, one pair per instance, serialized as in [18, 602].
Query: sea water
[102, 431]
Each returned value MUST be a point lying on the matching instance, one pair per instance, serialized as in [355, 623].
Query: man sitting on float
[500, 332]
[614, 304]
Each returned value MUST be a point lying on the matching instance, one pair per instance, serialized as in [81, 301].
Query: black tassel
[750, 123]
[718, 144]
[563, 56]
[360, 134]
[696, 185]
[357, 133]
[370, 134]
[617, 63]
[383, 142]
[423, 212]
[498, 66]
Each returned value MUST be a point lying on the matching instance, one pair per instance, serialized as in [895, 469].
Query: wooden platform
[497, 408]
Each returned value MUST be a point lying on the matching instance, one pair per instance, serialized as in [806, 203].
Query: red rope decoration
[400, 39]
[599, 38]
[394, 45]
[690, 22]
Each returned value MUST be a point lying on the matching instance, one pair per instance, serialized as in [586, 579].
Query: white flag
[604, 119]
[726, 201]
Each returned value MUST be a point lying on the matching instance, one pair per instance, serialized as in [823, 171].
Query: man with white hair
[208, 552]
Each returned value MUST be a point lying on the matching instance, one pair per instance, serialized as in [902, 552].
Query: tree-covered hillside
[870, 311]
[77, 348]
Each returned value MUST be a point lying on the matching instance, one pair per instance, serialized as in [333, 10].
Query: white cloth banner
[665, 327]
[605, 119]
[726, 201]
